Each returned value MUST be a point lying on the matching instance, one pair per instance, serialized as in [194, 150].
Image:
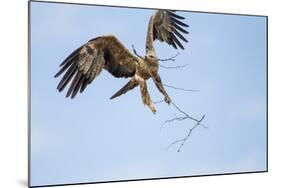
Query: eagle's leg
[146, 98]
[159, 85]
[145, 95]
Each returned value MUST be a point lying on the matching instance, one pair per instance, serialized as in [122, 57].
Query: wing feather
[174, 20]
[74, 83]
[84, 85]
[177, 41]
[180, 35]
[175, 26]
[66, 78]
[175, 15]
[78, 86]
[70, 57]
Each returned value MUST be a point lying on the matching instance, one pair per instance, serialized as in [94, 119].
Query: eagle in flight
[85, 63]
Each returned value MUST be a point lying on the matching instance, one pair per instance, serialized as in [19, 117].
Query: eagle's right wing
[166, 26]
[84, 64]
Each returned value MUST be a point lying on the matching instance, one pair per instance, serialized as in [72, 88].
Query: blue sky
[92, 138]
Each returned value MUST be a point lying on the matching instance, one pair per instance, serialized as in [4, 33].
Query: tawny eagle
[84, 64]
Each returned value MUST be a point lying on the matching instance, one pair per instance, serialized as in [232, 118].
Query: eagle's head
[151, 58]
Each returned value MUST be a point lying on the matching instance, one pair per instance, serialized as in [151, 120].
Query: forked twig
[182, 89]
[174, 67]
[157, 102]
[181, 118]
[187, 136]
[173, 58]
[135, 52]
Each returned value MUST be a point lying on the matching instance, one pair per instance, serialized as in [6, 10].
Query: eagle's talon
[152, 109]
[168, 100]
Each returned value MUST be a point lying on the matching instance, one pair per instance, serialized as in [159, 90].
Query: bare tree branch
[135, 52]
[185, 114]
[181, 118]
[182, 89]
[157, 102]
[182, 141]
[170, 59]
[174, 67]
[173, 87]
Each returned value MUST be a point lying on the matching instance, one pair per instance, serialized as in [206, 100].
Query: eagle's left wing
[166, 26]
[83, 65]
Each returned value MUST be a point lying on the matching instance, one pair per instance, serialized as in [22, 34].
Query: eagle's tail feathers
[129, 86]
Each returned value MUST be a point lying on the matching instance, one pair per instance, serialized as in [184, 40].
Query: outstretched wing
[166, 26]
[84, 64]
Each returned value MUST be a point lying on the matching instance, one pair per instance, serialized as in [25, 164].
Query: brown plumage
[84, 64]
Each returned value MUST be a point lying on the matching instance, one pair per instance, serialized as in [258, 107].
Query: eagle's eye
[150, 56]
